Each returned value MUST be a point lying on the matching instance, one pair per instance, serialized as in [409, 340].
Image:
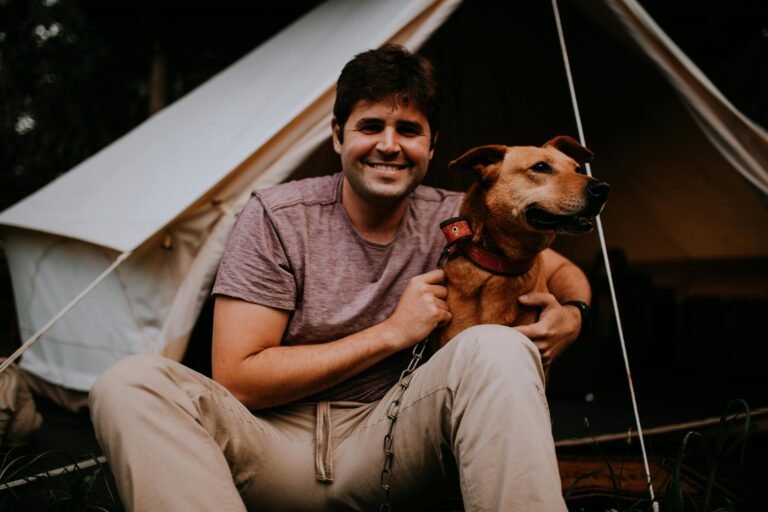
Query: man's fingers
[532, 332]
[538, 299]
[439, 291]
[525, 330]
[433, 276]
[544, 351]
[442, 305]
[444, 317]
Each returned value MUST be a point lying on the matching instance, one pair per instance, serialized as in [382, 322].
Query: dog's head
[541, 188]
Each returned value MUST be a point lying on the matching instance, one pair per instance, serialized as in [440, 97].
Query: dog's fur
[523, 197]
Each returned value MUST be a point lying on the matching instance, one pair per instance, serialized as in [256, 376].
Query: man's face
[386, 150]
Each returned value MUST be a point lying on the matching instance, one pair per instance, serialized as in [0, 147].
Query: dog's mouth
[538, 218]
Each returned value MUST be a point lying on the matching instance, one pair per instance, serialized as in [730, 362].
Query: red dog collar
[455, 229]
[458, 234]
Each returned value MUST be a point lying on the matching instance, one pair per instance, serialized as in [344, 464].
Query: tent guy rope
[604, 250]
[32, 339]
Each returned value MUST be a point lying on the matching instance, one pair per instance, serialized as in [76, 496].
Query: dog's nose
[597, 191]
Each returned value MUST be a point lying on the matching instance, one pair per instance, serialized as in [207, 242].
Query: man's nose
[389, 142]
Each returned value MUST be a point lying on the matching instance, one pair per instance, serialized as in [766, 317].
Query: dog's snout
[597, 194]
[598, 190]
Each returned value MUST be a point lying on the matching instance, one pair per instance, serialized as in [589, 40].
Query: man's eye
[370, 128]
[409, 131]
[541, 167]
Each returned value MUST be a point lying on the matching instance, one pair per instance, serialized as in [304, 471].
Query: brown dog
[524, 196]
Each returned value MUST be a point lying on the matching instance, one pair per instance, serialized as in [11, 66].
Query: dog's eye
[541, 167]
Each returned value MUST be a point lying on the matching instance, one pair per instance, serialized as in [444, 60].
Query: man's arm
[565, 280]
[558, 326]
[250, 362]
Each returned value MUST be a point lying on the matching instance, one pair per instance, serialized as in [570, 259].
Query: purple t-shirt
[294, 248]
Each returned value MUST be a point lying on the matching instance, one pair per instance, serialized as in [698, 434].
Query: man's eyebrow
[366, 120]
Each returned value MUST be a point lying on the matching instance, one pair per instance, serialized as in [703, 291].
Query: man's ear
[572, 148]
[484, 161]
[432, 144]
[336, 135]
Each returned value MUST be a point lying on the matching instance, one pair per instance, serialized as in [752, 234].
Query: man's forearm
[283, 374]
[565, 280]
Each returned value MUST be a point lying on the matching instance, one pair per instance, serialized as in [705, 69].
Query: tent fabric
[741, 141]
[170, 189]
[100, 328]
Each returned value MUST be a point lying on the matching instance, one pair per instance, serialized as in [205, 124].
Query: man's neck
[376, 222]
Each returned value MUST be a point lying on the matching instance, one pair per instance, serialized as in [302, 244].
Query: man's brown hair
[388, 72]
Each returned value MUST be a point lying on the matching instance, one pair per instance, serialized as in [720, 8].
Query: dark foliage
[75, 74]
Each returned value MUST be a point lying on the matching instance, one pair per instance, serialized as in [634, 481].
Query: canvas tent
[165, 194]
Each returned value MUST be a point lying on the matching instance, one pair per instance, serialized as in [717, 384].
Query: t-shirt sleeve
[255, 267]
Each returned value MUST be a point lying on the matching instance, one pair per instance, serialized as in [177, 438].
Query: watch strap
[584, 311]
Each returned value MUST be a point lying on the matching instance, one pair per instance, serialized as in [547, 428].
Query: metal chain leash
[392, 412]
[394, 406]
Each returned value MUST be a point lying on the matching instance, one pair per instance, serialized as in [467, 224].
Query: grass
[726, 447]
[691, 480]
[78, 486]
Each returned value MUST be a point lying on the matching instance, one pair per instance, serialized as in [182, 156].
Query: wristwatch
[584, 311]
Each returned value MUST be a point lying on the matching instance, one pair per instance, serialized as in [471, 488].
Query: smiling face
[385, 151]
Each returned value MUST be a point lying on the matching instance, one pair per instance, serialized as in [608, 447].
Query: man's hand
[558, 326]
[422, 308]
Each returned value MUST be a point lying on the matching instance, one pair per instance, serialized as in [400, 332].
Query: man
[324, 287]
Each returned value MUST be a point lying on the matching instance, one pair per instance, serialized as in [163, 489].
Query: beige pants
[474, 418]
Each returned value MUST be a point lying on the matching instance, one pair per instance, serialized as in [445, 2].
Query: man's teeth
[387, 167]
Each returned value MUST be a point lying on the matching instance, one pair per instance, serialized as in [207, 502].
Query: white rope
[575, 103]
[23, 348]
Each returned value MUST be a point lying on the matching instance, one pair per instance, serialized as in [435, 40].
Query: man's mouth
[386, 166]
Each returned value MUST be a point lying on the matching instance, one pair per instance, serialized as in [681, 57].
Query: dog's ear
[572, 148]
[481, 161]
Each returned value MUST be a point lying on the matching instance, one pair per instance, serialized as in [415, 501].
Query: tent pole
[23, 348]
[608, 272]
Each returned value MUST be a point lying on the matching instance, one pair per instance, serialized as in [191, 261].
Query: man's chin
[392, 191]
[383, 192]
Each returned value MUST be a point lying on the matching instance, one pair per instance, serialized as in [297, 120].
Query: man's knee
[495, 347]
[496, 340]
[132, 373]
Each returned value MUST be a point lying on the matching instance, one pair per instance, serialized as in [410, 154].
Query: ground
[66, 438]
